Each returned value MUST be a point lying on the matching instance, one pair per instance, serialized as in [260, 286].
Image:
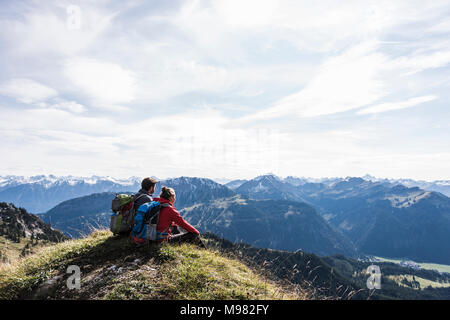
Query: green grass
[423, 265]
[203, 274]
[423, 282]
[11, 250]
[114, 268]
[24, 274]
[434, 266]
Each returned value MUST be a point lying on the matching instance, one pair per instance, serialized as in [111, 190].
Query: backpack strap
[138, 197]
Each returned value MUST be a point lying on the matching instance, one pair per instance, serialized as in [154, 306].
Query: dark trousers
[187, 237]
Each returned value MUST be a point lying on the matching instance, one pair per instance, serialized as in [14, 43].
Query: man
[145, 194]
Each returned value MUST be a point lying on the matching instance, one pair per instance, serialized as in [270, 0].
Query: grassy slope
[113, 268]
[423, 265]
[10, 250]
[423, 282]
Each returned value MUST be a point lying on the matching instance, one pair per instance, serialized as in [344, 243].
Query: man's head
[148, 184]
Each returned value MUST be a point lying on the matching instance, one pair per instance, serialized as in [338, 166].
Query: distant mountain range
[78, 217]
[442, 186]
[379, 217]
[376, 217]
[38, 194]
[269, 187]
[283, 225]
[191, 190]
[389, 221]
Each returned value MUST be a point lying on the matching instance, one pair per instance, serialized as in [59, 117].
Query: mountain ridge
[22, 233]
[284, 224]
[31, 192]
[380, 218]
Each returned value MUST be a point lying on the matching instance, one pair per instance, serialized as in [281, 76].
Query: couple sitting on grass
[170, 221]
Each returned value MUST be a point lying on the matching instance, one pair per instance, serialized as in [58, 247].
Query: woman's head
[168, 194]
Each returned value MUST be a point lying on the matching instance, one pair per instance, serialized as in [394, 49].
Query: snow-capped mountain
[40, 193]
[269, 186]
[51, 180]
[442, 186]
[235, 184]
[297, 181]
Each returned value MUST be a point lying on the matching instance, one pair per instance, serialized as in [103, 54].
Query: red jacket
[169, 216]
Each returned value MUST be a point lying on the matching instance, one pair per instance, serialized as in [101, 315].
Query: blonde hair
[167, 192]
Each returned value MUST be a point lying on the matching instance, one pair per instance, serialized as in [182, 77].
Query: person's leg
[181, 237]
[175, 230]
[188, 237]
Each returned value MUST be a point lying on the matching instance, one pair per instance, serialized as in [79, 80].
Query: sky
[225, 89]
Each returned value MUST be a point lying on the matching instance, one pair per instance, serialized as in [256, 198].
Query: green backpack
[122, 218]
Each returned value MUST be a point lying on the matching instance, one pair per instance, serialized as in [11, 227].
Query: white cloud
[357, 151]
[34, 93]
[42, 29]
[202, 143]
[107, 84]
[360, 76]
[188, 143]
[26, 90]
[71, 106]
[169, 77]
[441, 27]
[250, 13]
[418, 62]
[347, 81]
[50, 118]
[296, 59]
[389, 106]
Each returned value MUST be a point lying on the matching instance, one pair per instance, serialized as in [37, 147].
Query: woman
[170, 219]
